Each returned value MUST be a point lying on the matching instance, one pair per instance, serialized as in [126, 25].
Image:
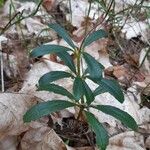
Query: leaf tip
[26, 119]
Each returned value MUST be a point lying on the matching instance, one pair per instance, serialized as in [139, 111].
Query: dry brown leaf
[34, 26]
[15, 56]
[82, 148]
[125, 74]
[42, 138]
[147, 143]
[132, 59]
[79, 34]
[116, 71]
[119, 71]
[12, 109]
[126, 141]
[37, 70]
[9, 143]
[48, 4]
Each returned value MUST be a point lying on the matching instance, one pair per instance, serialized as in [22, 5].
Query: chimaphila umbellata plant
[82, 96]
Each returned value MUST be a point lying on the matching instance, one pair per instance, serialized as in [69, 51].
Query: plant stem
[81, 109]
[78, 65]
[78, 54]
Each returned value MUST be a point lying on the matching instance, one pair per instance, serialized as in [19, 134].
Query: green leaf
[1, 3]
[99, 90]
[88, 93]
[102, 137]
[78, 89]
[94, 37]
[67, 60]
[56, 89]
[113, 88]
[53, 76]
[48, 49]
[94, 67]
[45, 108]
[123, 116]
[62, 32]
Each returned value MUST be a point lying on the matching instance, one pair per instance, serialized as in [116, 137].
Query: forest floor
[124, 54]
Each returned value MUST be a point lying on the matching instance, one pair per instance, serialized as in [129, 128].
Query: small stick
[2, 73]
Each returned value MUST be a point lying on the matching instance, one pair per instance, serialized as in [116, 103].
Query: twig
[98, 23]
[2, 73]
[88, 14]
[70, 11]
[144, 57]
[9, 24]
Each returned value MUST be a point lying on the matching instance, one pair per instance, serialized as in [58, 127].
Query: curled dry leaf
[9, 143]
[125, 74]
[34, 26]
[37, 70]
[134, 28]
[82, 148]
[10, 65]
[147, 143]
[42, 138]
[16, 61]
[12, 109]
[126, 141]
[48, 4]
[132, 59]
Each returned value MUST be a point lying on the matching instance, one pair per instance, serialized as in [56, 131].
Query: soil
[75, 133]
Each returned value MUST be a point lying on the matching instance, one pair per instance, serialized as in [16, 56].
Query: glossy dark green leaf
[88, 93]
[45, 108]
[53, 76]
[94, 67]
[62, 32]
[102, 137]
[113, 88]
[56, 89]
[94, 37]
[48, 49]
[67, 60]
[78, 88]
[99, 90]
[123, 116]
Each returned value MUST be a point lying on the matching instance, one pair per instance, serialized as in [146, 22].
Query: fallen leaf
[12, 109]
[126, 141]
[132, 59]
[48, 4]
[42, 138]
[9, 143]
[147, 143]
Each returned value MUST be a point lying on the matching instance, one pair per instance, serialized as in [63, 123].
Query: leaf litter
[122, 62]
